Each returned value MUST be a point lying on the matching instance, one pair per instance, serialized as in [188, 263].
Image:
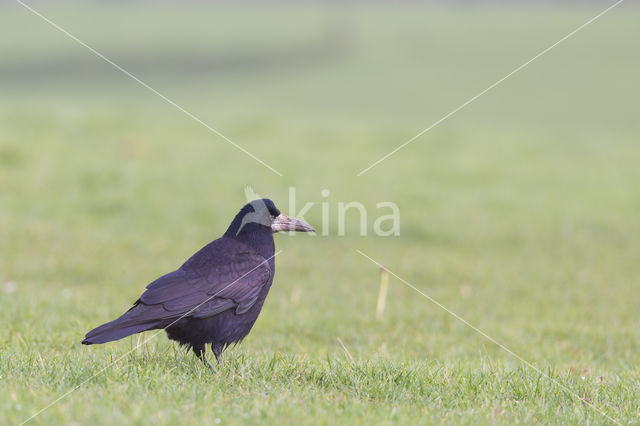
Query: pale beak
[286, 223]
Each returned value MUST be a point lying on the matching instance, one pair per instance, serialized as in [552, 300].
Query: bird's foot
[207, 363]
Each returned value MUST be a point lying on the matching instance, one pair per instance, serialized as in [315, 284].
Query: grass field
[520, 213]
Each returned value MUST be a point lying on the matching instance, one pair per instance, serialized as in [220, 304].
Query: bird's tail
[135, 320]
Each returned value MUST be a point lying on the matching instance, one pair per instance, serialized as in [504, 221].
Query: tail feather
[137, 319]
[105, 335]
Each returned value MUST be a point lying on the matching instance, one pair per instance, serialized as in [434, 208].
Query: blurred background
[520, 212]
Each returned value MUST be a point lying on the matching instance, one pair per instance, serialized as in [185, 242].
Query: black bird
[216, 296]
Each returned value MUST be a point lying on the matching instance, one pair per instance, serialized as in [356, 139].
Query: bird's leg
[200, 350]
[217, 351]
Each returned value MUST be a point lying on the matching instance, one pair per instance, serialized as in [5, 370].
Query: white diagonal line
[140, 344]
[145, 85]
[489, 88]
[344, 347]
[492, 340]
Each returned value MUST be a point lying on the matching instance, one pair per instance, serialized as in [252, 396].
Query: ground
[519, 213]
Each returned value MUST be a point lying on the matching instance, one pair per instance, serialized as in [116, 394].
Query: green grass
[520, 213]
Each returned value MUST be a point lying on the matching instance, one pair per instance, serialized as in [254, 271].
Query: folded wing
[205, 290]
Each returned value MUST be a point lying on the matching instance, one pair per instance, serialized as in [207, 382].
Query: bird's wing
[205, 287]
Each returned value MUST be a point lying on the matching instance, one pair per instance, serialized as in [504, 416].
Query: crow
[215, 296]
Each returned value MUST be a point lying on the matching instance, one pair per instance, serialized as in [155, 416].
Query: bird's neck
[257, 236]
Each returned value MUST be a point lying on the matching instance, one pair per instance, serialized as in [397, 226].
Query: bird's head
[263, 215]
